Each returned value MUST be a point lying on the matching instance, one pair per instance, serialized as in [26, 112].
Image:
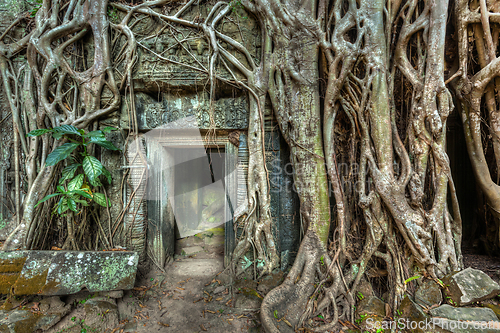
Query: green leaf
[57, 136]
[61, 189]
[412, 278]
[96, 182]
[94, 134]
[67, 129]
[60, 153]
[47, 197]
[38, 132]
[76, 183]
[100, 199]
[108, 129]
[82, 202]
[72, 205]
[92, 167]
[63, 206]
[276, 314]
[69, 172]
[81, 193]
[107, 174]
[103, 143]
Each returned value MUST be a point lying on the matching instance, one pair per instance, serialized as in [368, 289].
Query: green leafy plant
[237, 7]
[83, 169]
[360, 295]
[36, 6]
[361, 318]
[113, 15]
[451, 301]
[276, 314]
[322, 260]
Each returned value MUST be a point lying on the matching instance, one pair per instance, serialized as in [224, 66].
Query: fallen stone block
[66, 272]
[465, 320]
[429, 294]
[370, 313]
[24, 321]
[101, 314]
[413, 314]
[469, 286]
[471, 314]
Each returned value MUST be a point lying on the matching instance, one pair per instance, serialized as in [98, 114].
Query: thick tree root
[283, 307]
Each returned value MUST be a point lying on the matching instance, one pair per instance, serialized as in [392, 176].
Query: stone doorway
[199, 189]
[193, 184]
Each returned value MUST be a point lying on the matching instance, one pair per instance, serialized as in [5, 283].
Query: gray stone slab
[197, 267]
[66, 272]
[470, 285]
[456, 326]
[465, 320]
[50, 312]
[472, 314]
[428, 294]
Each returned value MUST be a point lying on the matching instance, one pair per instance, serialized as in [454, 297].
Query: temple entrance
[194, 185]
[199, 190]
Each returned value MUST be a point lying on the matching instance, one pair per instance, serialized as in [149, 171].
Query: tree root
[283, 307]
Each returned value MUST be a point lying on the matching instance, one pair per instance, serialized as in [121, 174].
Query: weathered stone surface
[472, 314]
[11, 265]
[469, 286]
[428, 294]
[370, 312]
[197, 267]
[101, 314]
[153, 75]
[189, 251]
[411, 310]
[493, 307]
[65, 272]
[465, 320]
[112, 294]
[42, 315]
[126, 308]
[229, 113]
[371, 305]
[365, 288]
[54, 306]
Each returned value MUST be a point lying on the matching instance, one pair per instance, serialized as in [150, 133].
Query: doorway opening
[199, 191]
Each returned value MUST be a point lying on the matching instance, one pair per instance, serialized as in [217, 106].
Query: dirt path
[188, 297]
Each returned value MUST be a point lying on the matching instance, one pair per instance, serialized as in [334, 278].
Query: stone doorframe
[160, 217]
